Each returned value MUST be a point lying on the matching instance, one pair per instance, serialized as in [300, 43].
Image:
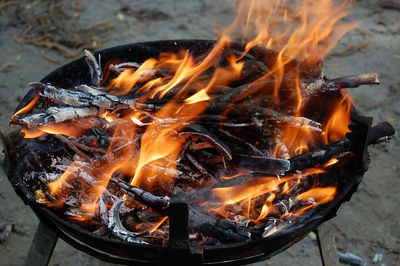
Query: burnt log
[205, 135]
[156, 202]
[113, 222]
[94, 68]
[337, 149]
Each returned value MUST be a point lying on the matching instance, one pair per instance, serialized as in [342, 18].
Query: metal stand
[42, 246]
[45, 240]
[326, 245]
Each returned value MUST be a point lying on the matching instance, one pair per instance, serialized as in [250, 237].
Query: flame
[300, 34]
[158, 224]
[233, 176]
[267, 207]
[26, 108]
[249, 190]
[331, 162]
[56, 185]
[336, 126]
[314, 196]
[128, 78]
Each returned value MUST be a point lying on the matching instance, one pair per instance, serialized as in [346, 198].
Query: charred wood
[83, 95]
[244, 143]
[94, 68]
[224, 230]
[337, 149]
[205, 135]
[123, 66]
[273, 166]
[156, 202]
[5, 233]
[113, 222]
[54, 115]
[318, 86]
[198, 165]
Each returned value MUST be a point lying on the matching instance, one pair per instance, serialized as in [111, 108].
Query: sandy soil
[368, 225]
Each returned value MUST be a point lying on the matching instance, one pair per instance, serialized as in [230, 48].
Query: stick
[244, 143]
[83, 95]
[113, 222]
[72, 146]
[198, 165]
[94, 68]
[5, 66]
[155, 202]
[274, 166]
[224, 230]
[205, 135]
[123, 66]
[337, 149]
[326, 85]
[56, 115]
[5, 234]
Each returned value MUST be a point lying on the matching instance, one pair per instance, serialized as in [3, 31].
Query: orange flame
[336, 126]
[26, 108]
[301, 33]
[158, 224]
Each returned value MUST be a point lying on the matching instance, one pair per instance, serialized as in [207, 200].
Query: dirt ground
[368, 225]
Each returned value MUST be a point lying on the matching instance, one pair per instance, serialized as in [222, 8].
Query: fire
[336, 126]
[26, 108]
[158, 224]
[301, 34]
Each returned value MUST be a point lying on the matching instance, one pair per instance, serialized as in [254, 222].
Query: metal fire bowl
[76, 73]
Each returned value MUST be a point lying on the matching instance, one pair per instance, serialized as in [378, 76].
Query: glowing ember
[216, 127]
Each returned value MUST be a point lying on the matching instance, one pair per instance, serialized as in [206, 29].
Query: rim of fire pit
[76, 73]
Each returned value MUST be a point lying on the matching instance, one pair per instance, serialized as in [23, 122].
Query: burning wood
[252, 140]
[94, 68]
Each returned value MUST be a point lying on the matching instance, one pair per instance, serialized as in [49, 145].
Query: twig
[94, 66]
[8, 4]
[4, 67]
[99, 24]
[198, 165]
[5, 234]
[72, 146]
[250, 146]
[353, 81]
[84, 95]
[113, 222]
[274, 166]
[202, 133]
[155, 202]
[49, 58]
[337, 149]
[54, 115]
[224, 230]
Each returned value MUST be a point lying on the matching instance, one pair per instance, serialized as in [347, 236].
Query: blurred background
[36, 37]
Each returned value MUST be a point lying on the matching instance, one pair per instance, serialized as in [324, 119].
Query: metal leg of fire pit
[326, 244]
[42, 246]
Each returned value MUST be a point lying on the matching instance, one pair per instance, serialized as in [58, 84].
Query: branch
[94, 68]
[113, 222]
[337, 149]
[54, 115]
[155, 202]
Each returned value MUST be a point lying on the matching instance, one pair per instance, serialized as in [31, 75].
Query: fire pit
[346, 176]
[190, 150]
